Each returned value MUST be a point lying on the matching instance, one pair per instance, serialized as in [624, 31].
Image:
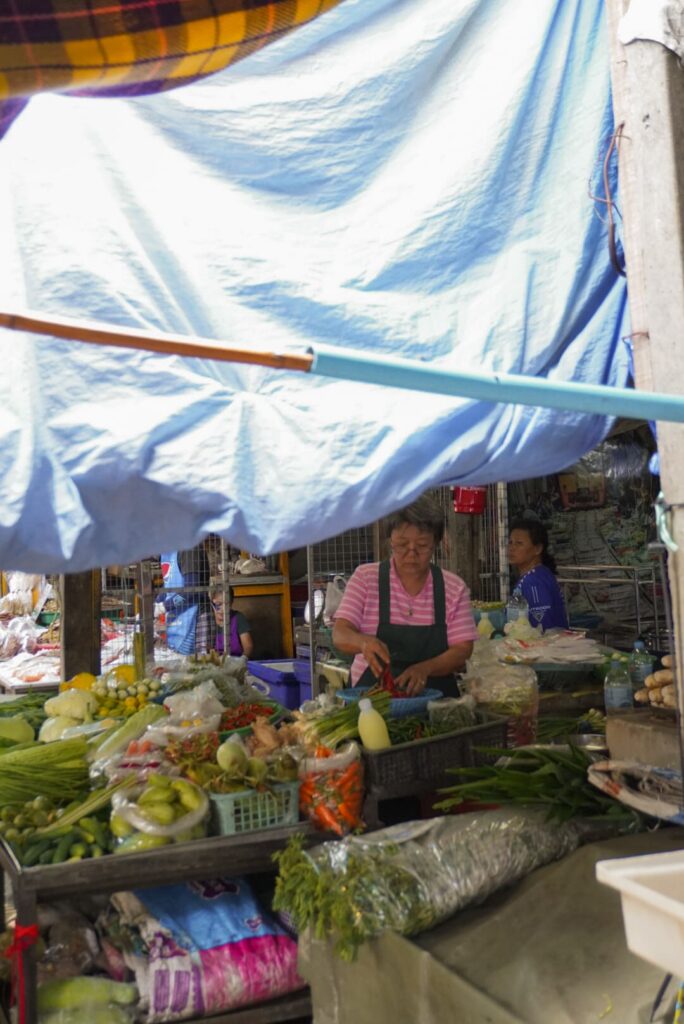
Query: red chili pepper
[244, 714]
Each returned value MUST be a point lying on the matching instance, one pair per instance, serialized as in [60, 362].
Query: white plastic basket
[652, 890]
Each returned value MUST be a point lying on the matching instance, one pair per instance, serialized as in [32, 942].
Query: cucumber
[34, 851]
[61, 851]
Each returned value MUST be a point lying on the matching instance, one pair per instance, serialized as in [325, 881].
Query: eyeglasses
[403, 548]
[218, 604]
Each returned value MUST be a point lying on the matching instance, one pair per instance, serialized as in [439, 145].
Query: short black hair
[538, 534]
[425, 513]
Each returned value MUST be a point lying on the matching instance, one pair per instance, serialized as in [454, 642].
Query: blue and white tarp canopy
[401, 177]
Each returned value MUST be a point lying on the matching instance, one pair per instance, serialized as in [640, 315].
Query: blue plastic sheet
[409, 177]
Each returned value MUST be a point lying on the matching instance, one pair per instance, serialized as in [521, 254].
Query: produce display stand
[249, 853]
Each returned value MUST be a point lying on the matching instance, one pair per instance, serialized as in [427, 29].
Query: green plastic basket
[250, 810]
[47, 618]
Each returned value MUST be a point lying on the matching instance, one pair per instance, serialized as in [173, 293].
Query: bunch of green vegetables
[30, 706]
[343, 724]
[550, 728]
[57, 770]
[75, 832]
[413, 727]
[316, 897]
[554, 778]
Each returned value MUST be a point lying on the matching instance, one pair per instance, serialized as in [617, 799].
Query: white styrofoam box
[652, 889]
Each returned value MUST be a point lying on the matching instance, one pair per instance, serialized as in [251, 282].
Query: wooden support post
[286, 606]
[80, 624]
[648, 101]
[463, 535]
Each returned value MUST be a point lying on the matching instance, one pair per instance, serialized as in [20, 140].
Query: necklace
[411, 598]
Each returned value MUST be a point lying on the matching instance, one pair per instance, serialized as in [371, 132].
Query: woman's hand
[413, 680]
[376, 654]
[347, 638]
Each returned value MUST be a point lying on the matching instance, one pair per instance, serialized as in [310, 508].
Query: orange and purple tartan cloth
[131, 47]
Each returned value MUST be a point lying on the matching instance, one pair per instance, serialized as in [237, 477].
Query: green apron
[409, 645]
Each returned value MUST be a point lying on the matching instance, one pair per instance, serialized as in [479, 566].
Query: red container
[470, 499]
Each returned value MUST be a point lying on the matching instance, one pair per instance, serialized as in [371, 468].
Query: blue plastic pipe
[508, 388]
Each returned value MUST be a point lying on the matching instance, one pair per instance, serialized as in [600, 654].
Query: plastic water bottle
[517, 607]
[617, 687]
[640, 665]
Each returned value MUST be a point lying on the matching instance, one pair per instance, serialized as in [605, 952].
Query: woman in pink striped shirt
[406, 612]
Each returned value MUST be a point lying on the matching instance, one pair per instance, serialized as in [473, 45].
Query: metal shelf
[250, 853]
[287, 1008]
[292, 1007]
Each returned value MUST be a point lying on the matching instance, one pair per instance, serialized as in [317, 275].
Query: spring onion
[554, 778]
[343, 724]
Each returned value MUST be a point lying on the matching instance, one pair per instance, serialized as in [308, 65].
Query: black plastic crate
[421, 765]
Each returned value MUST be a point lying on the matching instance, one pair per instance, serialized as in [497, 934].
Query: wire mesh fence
[342, 554]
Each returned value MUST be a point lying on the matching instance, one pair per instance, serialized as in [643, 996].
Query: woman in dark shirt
[238, 634]
[528, 554]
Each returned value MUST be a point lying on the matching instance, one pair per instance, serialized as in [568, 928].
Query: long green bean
[57, 770]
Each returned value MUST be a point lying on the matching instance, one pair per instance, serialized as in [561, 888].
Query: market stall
[29, 633]
[109, 483]
[183, 775]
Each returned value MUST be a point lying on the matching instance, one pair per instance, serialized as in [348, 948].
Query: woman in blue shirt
[528, 554]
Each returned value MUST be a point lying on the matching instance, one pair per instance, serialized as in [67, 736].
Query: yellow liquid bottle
[372, 727]
[484, 626]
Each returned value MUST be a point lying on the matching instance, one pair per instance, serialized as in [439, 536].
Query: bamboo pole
[144, 341]
[387, 371]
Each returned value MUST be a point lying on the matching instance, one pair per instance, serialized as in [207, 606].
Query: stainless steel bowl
[592, 742]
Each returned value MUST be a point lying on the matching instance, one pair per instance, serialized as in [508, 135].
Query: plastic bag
[125, 808]
[334, 593]
[190, 711]
[70, 946]
[141, 764]
[209, 947]
[452, 712]
[251, 566]
[319, 603]
[508, 690]
[408, 878]
[170, 730]
[19, 599]
[201, 701]
[331, 790]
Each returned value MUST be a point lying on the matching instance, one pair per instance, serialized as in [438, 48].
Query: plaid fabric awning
[131, 47]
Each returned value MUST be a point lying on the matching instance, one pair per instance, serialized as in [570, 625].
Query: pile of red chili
[387, 683]
[244, 714]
